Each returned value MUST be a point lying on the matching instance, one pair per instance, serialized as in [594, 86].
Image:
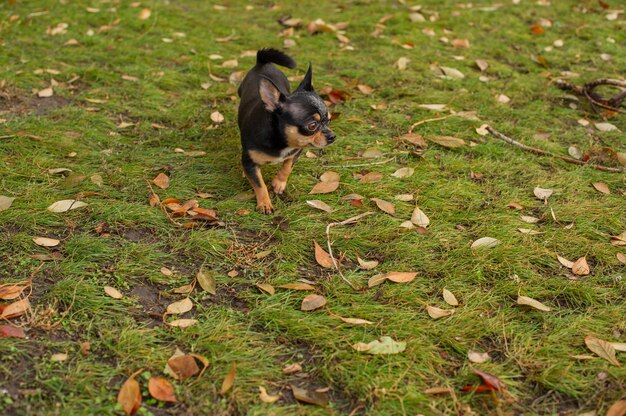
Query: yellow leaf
[602, 348]
[229, 380]
[207, 282]
[266, 398]
[113, 292]
[524, 300]
[450, 298]
[180, 307]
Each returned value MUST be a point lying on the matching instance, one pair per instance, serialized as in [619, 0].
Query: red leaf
[10, 331]
[161, 389]
[483, 388]
[490, 380]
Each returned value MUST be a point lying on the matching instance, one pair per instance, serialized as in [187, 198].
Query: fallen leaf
[565, 262]
[182, 323]
[400, 277]
[478, 357]
[404, 197]
[180, 307]
[46, 242]
[529, 231]
[617, 409]
[575, 152]
[415, 139]
[266, 398]
[15, 309]
[448, 72]
[322, 257]
[447, 141]
[266, 288]
[297, 286]
[229, 380]
[367, 265]
[460, 43]
[45, 93]
[402, 63]
[529, 219]
[490, 380]
[309, 396]
[316, 203]
[183, 366]
[433, 107]
[329, 176]
[605, 126]
[621, 257]
[482, 130]
[129, 396]
[386, 345]
[355, 321]
[385, 206]
[207, 281]
[485, 242]
[436, 313]
[292, 368]
[365, 89]
[403, 173]
[376, 280]
[113, 292]
[438, 390]
[371, 177]
[217, 117]
[602, 187]
[419, 218]
[542, 193]
[449, 298]
[619, 240]
[581, 267]
[482, 64]
[324, 187]
[10, 331]
[5, 202]
[162, 181]
[312, 302]
[524, 300]
[161, 389]
[144, 14]
[602, 348]
[501, 98]
[12, 291]
[66, 205]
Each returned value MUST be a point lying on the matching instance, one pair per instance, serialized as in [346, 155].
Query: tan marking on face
[329, 116]
[261, 158]
[295, 139]
[317, 117]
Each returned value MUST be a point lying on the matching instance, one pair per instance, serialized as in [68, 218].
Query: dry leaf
[312, 302]
[182, 366]
[501, 98]
[180, 307]
[400, 277]
[217, 117]
[602, 348]
[581, 267]
[161, 389]
[436, 313]
[478, 357]
[5, 202]
[355, 321]
[266, 288]
[144, 14]
[565, 262]
[365, 89]
[485, 242]
[376, 280]
[10, 331]
[617, 409]
[403, 173]
[182, 323]
[524, 300]
[385, 206]
[266, 398]
[316, 203]
[602, 187]
[113, 292]
[621, 257]
[324, 187]
[529, 231]
[46, 242]
[66, 205]
[401, 63]
[15, 309]
[322, 257]
[229, 380]
[404, 197]
[433, 107]
[162, 181]
[419, 218]
[309, 396]
[371, 177]
[367, 265]
[439, 390]
[482, 64]
[447, 72]
[292, 368]
[447, 141]
[207, 281]
[529, 219]
[45, 93]
[11, 291]
[605, 126]
[619, 240]
[329, 176]
[542, 193]
[129, 396]
[297, 286]
[386, 345]
[450, 298]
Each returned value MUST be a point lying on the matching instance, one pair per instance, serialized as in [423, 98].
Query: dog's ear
[306, 84]
[270, 95]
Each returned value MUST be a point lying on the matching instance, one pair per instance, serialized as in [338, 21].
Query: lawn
[98, 98]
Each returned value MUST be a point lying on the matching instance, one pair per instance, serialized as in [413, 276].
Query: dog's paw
[265, 207]
[279, 186]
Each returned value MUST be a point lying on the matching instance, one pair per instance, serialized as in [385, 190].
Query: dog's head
[303, 117]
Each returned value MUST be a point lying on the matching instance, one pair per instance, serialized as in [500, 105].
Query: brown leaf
[419, 218]
[154, 199]
[565, 262]
[6, 202]
[309, 396]
[11, 291]
[229, 380]
[580, 267]
[617, 409]
[482, 64]
[266, 288]
[447, 141]
[292, 368]
[207, 281]
[329, 176]
[10, 331]
[312, 302]
[367, 265]
[162, 181]
[371, 177]
[355, 321]
[297, 286]
[15, 309]
[415, 139]
[161, 389]
[322, 257]
[385, 206]
[478, 357]
[400, 277]
[524, 300]
[619, 240]
[602, 187]
[316, 203]
[376, 280]
[144, 14]
[439, 390]
[113, 292]
[183, 366]
[436, 313]
[602, 348]
[621, 257]
[324, 187]
[266, 398]
[450, 298]
[129, 396]
[46, 242]
[542, 193]
[365, 89]
[180, 307]
[490, 380]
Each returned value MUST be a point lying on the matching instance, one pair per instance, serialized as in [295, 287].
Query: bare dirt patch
[15, 104]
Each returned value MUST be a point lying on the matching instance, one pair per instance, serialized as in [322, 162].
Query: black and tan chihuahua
[276, 124]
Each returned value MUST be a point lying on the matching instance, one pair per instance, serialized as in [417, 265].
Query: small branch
[596, 100]
[428, 120]
[546, 153]
[330, 250]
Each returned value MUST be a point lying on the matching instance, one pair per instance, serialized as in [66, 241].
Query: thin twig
[330, 249]
[595, 99]
[363, 164]
[428, 120]
[546, 153]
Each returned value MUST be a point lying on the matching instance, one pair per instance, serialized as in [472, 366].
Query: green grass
[532, 351]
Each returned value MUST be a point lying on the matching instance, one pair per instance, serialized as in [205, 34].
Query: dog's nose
[330, 137]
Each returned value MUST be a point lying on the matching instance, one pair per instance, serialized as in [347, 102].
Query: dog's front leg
[253, 173]
[280, 180]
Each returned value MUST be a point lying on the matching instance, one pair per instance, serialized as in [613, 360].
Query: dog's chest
[262, 158]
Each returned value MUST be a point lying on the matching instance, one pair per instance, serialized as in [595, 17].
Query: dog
[276, 124]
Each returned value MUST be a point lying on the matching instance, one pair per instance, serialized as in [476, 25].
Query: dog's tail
[269, 55]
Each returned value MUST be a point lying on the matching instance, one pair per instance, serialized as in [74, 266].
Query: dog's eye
[312, 126]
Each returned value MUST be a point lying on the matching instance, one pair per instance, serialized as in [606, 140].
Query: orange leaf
[10, 331]
[602, 187]
[324, 187]
[581, 267]
[162, 181]
[183, 366]
[322, 257]
[229, 380]
[161, 389]
[385, 206]
[15, 309]
[129, 396]
[536, 30]
[401, 277]
[10, 291]
[617, 409]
